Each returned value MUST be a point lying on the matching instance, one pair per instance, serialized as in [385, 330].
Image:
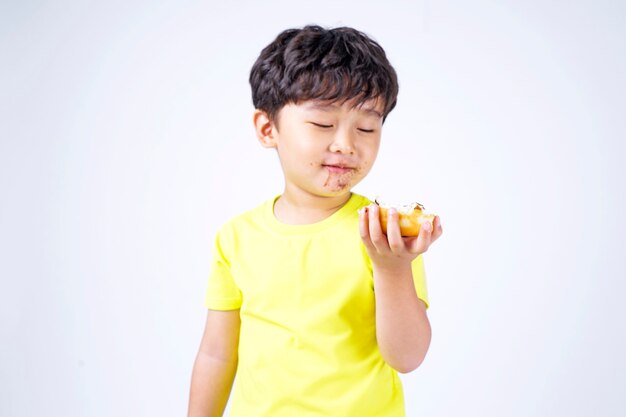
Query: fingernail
[427, 226]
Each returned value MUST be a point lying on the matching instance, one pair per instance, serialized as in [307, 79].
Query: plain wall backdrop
[126, 139]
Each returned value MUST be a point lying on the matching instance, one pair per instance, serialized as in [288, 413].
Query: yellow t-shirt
[307, 344]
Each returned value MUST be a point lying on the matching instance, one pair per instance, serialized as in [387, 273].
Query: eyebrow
[328, 107]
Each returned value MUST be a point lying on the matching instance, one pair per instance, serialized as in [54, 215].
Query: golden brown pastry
[410, 217]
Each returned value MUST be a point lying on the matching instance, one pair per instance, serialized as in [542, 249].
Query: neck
[300, 207]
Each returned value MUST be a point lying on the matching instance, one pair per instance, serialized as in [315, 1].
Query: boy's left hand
[393, 252]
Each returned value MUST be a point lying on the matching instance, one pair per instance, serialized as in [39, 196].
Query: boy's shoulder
[253, 213]
[363, 201]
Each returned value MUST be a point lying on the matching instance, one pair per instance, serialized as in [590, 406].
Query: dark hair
[333, 65]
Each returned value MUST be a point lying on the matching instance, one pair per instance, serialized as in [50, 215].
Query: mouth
[338, 169]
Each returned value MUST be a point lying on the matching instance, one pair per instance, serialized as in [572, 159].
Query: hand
[393, 252]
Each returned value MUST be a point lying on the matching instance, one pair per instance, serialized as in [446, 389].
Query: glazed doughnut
[410, 217]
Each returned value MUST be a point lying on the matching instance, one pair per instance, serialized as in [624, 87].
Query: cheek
[370, 152]
[298, 149]
[305, 144]
[368, 156]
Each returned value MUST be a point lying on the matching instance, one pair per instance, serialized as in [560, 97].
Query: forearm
[211, 383]
[402, 327]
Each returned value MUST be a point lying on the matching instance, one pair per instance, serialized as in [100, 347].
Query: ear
[266, 132]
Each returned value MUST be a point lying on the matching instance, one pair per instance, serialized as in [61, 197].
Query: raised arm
[215, 365]
[403, 330]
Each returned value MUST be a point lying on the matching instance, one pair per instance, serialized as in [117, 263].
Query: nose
[343, 142]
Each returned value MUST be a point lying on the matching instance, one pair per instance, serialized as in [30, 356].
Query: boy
[311, 306]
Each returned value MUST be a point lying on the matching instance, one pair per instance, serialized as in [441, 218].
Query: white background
[126, 139]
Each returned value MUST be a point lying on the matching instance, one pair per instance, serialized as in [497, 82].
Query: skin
[216, 364]
[403, 330]
[309, 140]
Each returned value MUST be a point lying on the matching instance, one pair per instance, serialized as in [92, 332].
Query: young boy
[310, 305]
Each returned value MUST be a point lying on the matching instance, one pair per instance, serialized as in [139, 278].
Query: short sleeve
[419, 279]
[222, 292]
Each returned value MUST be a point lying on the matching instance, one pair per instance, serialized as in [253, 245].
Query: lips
[338, 169]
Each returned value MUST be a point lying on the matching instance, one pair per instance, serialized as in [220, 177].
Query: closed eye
[321, 125]
[329, 126]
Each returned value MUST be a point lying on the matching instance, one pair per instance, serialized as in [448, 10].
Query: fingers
[364, 228]
[437, 229]
[378, 238]
[393, 243]
[427, 235]
[424, 239]
[375, 240]
[394, 236]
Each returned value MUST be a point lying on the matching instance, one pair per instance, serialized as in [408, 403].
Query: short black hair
[333, 65]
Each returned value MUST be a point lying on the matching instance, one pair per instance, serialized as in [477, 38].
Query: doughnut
[410, 217]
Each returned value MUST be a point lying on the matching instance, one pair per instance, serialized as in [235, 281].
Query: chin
[338, 190]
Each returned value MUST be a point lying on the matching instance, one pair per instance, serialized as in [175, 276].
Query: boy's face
[324, 149]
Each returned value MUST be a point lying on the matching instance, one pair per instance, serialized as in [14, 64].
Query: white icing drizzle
[402, 208]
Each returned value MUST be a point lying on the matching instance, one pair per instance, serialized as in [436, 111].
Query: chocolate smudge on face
[327, 179]
[341, 185]
[343, 180]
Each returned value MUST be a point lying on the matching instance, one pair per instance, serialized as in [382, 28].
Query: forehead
[369, 108]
